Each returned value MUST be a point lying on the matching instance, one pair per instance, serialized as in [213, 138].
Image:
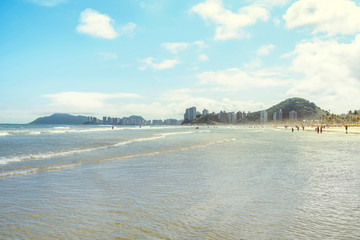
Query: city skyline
[156, 58]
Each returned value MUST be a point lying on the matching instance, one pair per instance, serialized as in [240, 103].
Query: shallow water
[92, 182]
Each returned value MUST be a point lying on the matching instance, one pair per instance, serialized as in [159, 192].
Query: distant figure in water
[112, 127]
[292, 129]
[346, 128]
[297, 127]
[321, 129]
[303, 128]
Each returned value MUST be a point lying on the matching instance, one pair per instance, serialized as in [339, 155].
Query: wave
[55, 130]
[39, 169]
[63, 130]
[61, 167]
[18, 172]
[69, 166]
[40, 156]
[61, 127]
[6, 160]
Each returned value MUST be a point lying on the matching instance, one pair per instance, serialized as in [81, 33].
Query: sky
[155, 58]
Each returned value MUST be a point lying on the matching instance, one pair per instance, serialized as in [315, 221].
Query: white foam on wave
[6, 160]
[69, 166]
[62, 167]
[55, 130]
[175, 133]
[4, 134]
[167, 151]
[36, 170]
[18, 172]
[61, 128]
[40, 156]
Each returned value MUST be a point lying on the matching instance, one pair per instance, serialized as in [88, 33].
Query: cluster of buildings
[169, 121]
[132, 120]
[232, 117]
[277, 116]
[224, 117]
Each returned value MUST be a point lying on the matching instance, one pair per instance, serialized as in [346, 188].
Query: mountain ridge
[60, 118]
[304, 108]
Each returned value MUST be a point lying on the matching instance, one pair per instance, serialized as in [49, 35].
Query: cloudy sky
[157, 57]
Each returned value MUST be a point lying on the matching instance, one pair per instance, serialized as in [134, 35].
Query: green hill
[304, 108]
[210, 119]
[60, 118]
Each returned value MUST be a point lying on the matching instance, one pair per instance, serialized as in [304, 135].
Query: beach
[94, 182]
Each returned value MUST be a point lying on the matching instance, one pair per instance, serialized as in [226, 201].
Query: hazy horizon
[156, 58]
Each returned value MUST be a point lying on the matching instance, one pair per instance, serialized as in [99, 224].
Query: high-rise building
[293, 115]
[205, 112]
[275, 116]
[280, 115]
[239, 115]
[190, 114]
[232, 117]
[263, 116]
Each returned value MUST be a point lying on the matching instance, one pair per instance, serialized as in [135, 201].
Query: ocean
[95, 182]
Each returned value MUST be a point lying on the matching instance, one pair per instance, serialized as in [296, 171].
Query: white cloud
[203, 57]
[96, 24]
[106, 56]
[128, 29]
[265, 50]
[180, 99]
[85, 101]
[172, 104]
[330, 73]
[175, 47]
[328, 16]
[230, 25]
[276, 22]
[199, 44]
[154, 6]
[234, 79]
[168, 63]
[255, 63]
[270, 3]
[47, 3]
[179, 94]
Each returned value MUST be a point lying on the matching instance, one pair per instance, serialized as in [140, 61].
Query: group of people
[297, 127]
[319, 129]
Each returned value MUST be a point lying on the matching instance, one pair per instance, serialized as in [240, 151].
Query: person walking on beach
[346, 128]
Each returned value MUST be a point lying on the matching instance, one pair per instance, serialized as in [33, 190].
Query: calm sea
[94, 182]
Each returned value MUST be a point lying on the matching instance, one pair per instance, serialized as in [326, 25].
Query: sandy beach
[337, 129]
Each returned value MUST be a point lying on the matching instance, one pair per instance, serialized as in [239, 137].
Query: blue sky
[157, 57]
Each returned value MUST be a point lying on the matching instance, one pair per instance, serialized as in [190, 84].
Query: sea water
[95, 182]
